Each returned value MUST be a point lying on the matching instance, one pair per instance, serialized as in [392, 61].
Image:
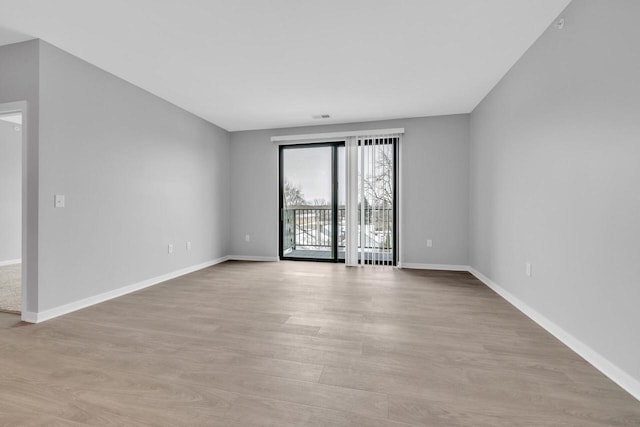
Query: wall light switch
[429, 243]
[170, 248]
[247, 238]
[58, 201]
[188, 246]
[527, 269]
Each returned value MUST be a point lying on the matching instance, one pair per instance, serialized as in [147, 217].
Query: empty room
[337, 213]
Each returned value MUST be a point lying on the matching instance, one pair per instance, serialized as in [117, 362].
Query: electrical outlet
[170, 248]
[429, 243]
[188, 246]
[247, 238]
[527, 269]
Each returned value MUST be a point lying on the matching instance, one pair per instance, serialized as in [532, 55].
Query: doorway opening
[11, 128]
[313, 201]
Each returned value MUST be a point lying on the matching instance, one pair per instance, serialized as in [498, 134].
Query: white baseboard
[10, 262]
[252, 258]
[617, 375]
[41, 316]
[448, 267]
[29, 317]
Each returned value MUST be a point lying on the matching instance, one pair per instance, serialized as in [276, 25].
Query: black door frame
[334, 201]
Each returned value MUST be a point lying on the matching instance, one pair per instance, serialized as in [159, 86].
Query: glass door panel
[307, 202]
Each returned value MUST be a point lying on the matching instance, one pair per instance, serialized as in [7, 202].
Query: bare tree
[293, 195]
[380, 186]
[320, 202]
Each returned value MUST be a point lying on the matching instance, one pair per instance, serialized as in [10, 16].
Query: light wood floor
[293, 344]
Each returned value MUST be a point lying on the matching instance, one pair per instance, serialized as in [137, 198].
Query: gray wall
[434, 176]
[555, 178]
[19, 81]
[138, 173]
[10, 192]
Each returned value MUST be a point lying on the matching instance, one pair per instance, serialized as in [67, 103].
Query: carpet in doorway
[10, 288]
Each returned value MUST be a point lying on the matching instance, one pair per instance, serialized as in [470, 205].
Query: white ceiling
[251, 64]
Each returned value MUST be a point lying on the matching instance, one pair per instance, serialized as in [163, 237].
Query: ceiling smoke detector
[321, 116]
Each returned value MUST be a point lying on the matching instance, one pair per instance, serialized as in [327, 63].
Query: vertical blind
[370, 214]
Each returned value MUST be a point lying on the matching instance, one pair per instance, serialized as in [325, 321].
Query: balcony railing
[311, 228]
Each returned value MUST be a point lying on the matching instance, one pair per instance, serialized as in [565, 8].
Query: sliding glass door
[311, 220]
[313, 201]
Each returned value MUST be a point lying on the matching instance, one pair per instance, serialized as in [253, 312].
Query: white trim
[601, 363]
[10, 262]
[29, 317]
[333, 136]
[445, 267]
[41, 316]
[252, 258]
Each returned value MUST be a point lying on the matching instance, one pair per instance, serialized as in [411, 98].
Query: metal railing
[311, 227]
